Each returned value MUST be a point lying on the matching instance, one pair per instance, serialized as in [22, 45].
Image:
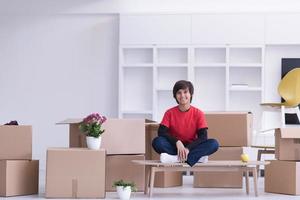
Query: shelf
[210, 65]
[172, 55]
[164, 89]
[217, 72]
[245, 55]
[245, 89]
[137, 55]
[165, 101]
[166, 78]
[210, 91]
[173, 65]
[137, 65]
[252, 80]
[210, 55]
[244, 65]
[137, 89]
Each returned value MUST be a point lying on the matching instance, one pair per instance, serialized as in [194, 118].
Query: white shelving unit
[225, 77]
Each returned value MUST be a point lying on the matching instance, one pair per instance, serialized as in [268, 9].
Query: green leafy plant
[125, 184]
[91, 125]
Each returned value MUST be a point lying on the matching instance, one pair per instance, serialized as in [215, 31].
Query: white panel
[209, 86]
[245, 55]
[283, 29]
[210, 55]
[138, 55]
[155, 29]
[247, 101]
[167, 76]
[228, 29]
[253, 78]
[137, 89]
[172, 55]
[165, 101]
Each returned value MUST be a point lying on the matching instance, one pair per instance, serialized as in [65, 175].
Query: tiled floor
[188, 192]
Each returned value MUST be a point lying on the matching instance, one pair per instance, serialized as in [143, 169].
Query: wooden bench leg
[153, 170]
[259, 152]
[254, 171]
[247, 181]
[147, 181]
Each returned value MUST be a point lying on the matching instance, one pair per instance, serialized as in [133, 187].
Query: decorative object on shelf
[124, 189]
[91, 127]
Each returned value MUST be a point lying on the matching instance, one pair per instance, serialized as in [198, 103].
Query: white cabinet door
[155, 29]
[228, 29]
[283, 29]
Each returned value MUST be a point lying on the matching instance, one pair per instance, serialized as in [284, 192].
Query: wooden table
[224, 165]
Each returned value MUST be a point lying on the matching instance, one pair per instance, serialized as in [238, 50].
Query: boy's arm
[202, 136]
[163, 131]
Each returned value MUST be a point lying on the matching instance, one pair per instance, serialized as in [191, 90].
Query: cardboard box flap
[291, 132]
[71, 121]
[149, 121]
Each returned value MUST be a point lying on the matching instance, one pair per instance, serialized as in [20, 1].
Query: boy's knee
[214, 144]
[157, 142]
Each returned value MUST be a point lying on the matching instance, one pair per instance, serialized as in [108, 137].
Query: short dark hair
[182, 84]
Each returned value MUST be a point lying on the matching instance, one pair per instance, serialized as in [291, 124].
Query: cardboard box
[117, 138]
[231, 129]
[287, 143]
[121, 167]
[19, 177]
[75, 173]
[15, 142]
[221, 179]
[282, 177]
[162, 179]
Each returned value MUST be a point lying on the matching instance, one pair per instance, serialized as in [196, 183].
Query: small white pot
[124, 192]
[93, 143]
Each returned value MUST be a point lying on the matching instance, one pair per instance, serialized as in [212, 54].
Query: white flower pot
[93, 143]
[124, 192]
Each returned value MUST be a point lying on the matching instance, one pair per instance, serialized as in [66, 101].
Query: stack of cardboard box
[162, 179]
[233, 131]
[123, 141]
[19, 174]
[283, 175]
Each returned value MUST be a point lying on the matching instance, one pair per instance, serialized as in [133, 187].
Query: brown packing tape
[74, 188]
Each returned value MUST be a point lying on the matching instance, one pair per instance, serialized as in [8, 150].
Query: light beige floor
[188, 192]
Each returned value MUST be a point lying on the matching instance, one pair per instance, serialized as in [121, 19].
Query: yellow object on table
[244, 157]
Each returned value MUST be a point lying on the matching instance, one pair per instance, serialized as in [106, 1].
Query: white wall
[54, 67]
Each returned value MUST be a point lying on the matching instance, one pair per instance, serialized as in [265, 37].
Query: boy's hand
[182, 152]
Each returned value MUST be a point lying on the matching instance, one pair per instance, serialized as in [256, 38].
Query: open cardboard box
[117, 138]
[287, 143]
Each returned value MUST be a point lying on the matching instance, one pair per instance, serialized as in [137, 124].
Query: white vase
[93, 143]
[124, 192]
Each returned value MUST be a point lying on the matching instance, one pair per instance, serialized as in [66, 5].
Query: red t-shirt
[184, 125]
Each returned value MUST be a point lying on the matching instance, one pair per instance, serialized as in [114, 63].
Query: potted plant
[91, 126]
[124, 189]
